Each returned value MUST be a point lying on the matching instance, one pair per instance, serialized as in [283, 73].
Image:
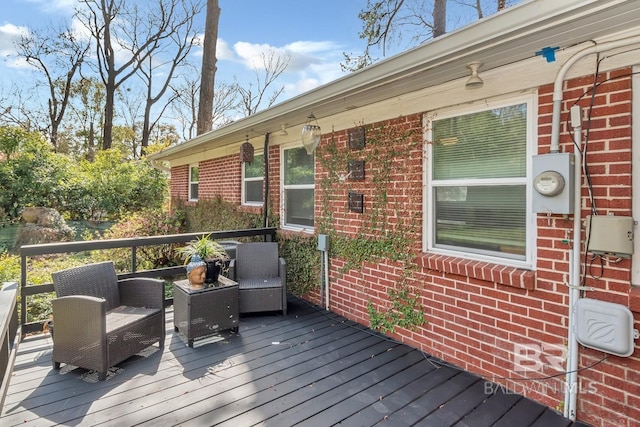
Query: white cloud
[9, 35]
[310, 65]
[223, 52]
[306, 47]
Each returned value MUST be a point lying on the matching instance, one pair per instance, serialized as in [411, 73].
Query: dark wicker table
[200, 313]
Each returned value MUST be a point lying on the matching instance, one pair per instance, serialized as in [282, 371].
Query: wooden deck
[309, 368]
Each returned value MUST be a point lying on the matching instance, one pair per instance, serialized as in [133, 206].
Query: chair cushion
[125, 315]
[273, 282]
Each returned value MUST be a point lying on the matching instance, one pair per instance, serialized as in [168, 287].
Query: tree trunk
[90, 143]
[107, 132]
[205, 104]
[439, 17]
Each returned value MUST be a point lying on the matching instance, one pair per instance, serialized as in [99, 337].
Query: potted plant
[211, 252]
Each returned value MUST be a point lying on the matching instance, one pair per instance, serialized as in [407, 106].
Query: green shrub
[303, 263]
[149, 222]
[217, 214]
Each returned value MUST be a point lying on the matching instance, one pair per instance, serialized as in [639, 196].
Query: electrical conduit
[571, 392]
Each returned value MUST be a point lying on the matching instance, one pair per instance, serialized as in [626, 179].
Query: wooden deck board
[309, 368]
[494, 407]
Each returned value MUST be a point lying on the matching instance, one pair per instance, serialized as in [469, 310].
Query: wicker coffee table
[200, 313]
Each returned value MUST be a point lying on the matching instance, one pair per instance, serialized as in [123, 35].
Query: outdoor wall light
[474, 81]
[246, 152]
[311, 134]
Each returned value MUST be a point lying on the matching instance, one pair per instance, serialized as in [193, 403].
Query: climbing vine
[388, 225]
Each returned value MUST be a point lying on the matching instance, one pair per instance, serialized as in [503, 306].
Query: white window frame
[428, 244]
[284, 188]
[245, 180]
[191, 183]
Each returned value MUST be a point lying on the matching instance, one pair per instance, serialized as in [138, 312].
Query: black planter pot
[213, 271]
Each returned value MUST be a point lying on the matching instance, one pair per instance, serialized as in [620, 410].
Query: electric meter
[549, 183]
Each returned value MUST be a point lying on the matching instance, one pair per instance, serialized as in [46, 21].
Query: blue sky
[315, 33]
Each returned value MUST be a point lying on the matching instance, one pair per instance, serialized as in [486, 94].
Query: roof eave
[520, 22]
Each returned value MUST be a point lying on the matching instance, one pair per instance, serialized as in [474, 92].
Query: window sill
[298, 229]
[480, 270]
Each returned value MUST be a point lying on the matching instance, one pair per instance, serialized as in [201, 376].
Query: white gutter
[156, 165]
[465, 44]
[571, 392]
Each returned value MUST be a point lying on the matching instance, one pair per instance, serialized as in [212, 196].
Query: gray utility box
[553, 183]
[199, 313]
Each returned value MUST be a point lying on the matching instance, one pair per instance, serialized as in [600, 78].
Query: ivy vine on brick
[387, 228]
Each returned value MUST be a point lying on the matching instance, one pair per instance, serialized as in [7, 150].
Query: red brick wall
[179, 184]
[223, 177]
[477, 311]
[274, 181]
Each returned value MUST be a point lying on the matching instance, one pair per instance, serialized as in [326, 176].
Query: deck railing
[8, 333]
[28, 251]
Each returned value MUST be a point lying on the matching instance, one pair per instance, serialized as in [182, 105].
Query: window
[193, 182]
[477, 192]
[298, 188]
[252, 181]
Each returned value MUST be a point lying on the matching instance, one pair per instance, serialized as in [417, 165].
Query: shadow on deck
[310, 368]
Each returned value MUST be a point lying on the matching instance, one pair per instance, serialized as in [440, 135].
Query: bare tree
[207, 79]
[87, 110]
[185, 107]
[182, 39]
[126, 37]
[131, 107]
[15, 108]
[383, 22]
[271, 66]
[59, 56]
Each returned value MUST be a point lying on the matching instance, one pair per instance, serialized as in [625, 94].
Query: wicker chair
[261, 277]
[100, 320]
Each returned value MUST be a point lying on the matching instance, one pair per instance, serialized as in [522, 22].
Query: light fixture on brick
[246, 152]
[311, 134]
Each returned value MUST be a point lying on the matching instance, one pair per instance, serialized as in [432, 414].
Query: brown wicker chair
[261, 277]
[100, 320]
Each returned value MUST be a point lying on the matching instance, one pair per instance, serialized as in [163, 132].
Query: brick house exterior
[483, 315]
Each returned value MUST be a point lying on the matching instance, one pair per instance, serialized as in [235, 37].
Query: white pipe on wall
[574, 266]
[571, 391]
[557, 87]
[326, 276]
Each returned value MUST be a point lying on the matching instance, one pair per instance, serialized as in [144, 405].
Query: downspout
[574, 266]
[571, 381]
[265, 199]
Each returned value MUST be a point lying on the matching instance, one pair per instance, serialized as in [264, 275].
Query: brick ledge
[494, 273]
